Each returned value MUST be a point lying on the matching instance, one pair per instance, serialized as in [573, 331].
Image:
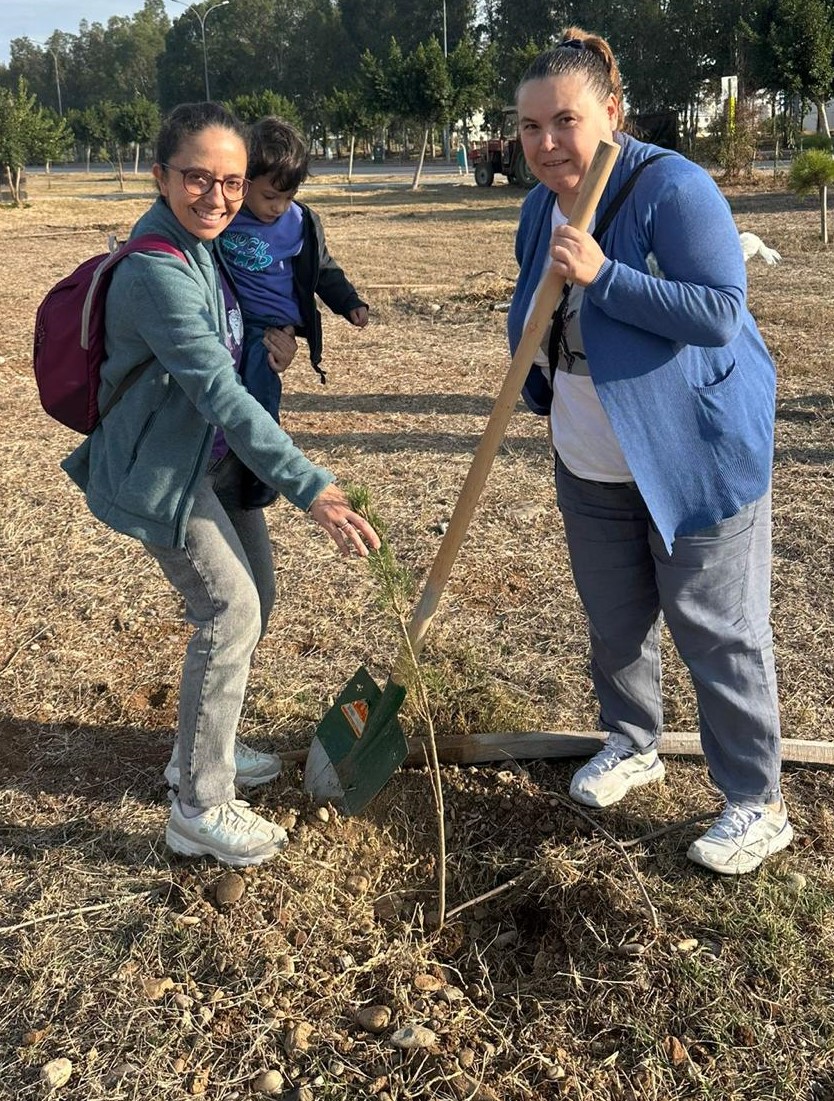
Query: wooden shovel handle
[547, 298]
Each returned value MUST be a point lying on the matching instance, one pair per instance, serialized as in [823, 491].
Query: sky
[37, 19]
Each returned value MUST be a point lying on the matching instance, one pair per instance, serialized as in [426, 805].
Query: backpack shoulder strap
[623, 194]
[148, 242]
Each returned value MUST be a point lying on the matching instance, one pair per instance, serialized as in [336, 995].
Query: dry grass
[560, 986]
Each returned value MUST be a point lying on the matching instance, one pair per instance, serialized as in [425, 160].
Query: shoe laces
[237, 817]
[734, 821]
[612, 753]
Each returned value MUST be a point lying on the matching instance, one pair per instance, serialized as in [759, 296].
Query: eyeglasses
[197, 181]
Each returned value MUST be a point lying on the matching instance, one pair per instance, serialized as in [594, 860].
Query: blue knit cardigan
[677, 361]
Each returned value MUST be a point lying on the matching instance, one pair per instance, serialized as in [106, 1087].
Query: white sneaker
[740, 839]
[614, 771]
[251, 768]
[230, 832]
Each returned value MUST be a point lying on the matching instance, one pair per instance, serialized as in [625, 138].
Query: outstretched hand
[359, 316]
[350, 531]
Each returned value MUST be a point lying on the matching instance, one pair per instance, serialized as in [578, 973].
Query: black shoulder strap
[558, 319]
[621, 196]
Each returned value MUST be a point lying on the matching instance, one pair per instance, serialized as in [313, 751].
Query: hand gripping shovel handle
[548, 295]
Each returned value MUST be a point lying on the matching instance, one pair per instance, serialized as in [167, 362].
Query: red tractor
[503, 154]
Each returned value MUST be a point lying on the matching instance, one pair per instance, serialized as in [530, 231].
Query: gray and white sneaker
[231, 832]
[614, 771]
[251, 767]
[741, 837]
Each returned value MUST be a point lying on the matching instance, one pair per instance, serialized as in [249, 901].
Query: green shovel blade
[362, 740]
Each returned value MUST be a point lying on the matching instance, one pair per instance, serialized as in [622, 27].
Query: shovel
[359, 743]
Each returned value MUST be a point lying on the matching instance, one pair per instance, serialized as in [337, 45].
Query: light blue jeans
[714, 592]
[225, 575]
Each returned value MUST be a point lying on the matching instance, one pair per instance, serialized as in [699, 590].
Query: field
[607, 967]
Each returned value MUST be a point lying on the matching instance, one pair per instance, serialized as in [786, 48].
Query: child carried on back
[278, 258]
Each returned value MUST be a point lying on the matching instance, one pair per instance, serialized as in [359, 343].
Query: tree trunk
[824, 213]
[136, 160]
[822, 118]
[415, 183]
[12, 189]
[89, 154]
[350, 158]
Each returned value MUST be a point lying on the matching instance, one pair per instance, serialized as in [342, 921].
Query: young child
[278, 258]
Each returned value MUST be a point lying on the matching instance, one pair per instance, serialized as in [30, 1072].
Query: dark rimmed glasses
[197, 181]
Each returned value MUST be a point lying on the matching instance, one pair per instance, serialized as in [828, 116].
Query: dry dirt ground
[603, 970]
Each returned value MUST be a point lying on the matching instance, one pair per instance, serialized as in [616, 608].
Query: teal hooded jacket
[140, 467]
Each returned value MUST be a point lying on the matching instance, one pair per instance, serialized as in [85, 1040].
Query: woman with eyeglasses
[168, 461]
[660, 396]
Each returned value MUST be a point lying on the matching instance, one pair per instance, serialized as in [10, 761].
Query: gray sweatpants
[714, 592]
[225, 575]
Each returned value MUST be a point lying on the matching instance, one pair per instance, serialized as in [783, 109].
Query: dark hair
[587, 55]
[192, 118]
[278, 151]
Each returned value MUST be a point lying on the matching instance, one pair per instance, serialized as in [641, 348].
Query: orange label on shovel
[356, 714]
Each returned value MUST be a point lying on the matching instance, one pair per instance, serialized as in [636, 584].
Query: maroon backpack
[69, 338]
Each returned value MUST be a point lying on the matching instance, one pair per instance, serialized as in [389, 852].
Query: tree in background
[793, 50]
[814, 171]
[28, 135]
[425, 92]
[91, 129]
[257, 105]
[137, 124]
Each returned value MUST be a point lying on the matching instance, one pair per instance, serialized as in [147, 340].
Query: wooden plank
[550, 744]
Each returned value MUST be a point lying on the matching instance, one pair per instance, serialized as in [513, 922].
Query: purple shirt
[234, 342]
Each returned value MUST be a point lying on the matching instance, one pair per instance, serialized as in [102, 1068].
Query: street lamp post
[446, 55]
[203, 17]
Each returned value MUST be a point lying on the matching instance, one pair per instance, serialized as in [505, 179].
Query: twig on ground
[21, 647]
[490, 894]
[671, 828]
[59, 914]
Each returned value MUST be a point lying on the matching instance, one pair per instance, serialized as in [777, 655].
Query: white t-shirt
[582, 433]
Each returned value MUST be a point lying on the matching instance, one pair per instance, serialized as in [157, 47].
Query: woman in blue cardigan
[660, 394]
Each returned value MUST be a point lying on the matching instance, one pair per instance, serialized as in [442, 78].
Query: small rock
[795, 883]
[229, 889]
[466, 1058]
[287, 821]
[285, 965]
[180, 1064]
[36, 1035]
[182, 1001]
[413, 1036]
[346, 962]
[526, 512]
[119, 1073]
[427, 983]
[554, 1072]
[675, 1050]
[357, 884]
[373, 1018]
[504, 940]
[298, 1038]
[687, 945]
[323, 814]
[269, 1081]
[56, 1073]
[187, 919]
[337, 1068]
[453, 994]
[633, 948]
[156, 988]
